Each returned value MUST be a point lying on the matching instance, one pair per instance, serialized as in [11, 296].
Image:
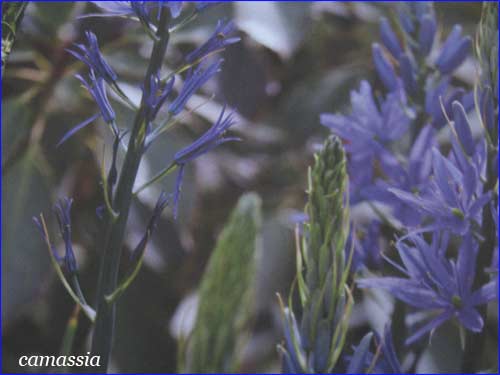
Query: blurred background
[295, 61]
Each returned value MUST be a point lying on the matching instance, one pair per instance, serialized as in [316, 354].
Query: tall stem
[102, 339]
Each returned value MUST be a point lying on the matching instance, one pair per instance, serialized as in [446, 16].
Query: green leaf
[25, 264]
[12, 14]
[226, 292]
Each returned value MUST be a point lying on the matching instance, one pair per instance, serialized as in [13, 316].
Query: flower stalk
[108, 277]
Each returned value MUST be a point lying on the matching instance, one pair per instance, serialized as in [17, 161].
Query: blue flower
[408, 74]
[454, 51]
[368, 130]
[369, 126]
[412, 178]
[367, 247]
[194, 80]
[363, 358]
[213, 137]
[454, 200]
[439, 95]
[93, 58]
[436, 284]
[412, 14]
[62, 211]
[97, 89]
[217, 41]
[155, 96]
[419, 23]
[388, 363]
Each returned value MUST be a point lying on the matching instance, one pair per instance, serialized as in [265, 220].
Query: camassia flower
[412, 178]
[454, 199]
[194, 80]
[62, 211]
[220, 38]
[367, 130]
[97, 89]
[92, 57]
[436, 283]
[213, 137]
[155, 95]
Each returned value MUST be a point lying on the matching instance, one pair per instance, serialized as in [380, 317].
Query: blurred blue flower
[202, 5]
[367, 250]
[412, 16]
[92, 57]
[408, 74]
[194, 80]
[175, 7]
[220, 38]
[427, 33]
[212, 138]
[435, 283]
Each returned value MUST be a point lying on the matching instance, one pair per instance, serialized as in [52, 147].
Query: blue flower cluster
[433, 195]
[156, 92]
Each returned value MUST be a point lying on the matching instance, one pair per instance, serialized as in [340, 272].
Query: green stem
[105, 320]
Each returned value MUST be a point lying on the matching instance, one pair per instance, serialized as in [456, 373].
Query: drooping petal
[432, 325]
[77, 128]
[470, 319]
[389, 38]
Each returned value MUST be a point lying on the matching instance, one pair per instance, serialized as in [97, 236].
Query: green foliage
[12, 14]
[226, 291]
[326, 300]
[487, 46]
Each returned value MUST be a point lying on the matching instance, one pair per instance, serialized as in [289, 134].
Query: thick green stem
[105, 320]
